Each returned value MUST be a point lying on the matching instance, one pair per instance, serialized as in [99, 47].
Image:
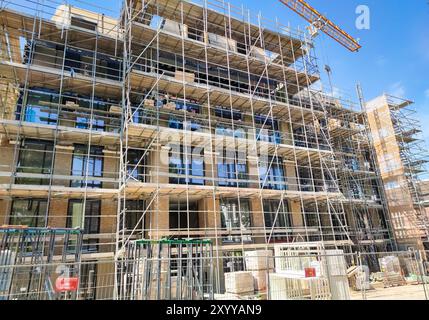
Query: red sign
[310, 272]
[66, 284]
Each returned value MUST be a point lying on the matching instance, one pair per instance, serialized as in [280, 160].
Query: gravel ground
[409, 292]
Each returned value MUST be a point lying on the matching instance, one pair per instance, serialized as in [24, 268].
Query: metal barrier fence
[332, 275]
[39, 263]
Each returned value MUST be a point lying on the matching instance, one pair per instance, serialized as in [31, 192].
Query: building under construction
[402, 159]
[182, 130]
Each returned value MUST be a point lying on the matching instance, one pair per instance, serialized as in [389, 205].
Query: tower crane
[320, 22]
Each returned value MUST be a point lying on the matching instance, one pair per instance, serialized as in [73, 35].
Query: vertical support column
[296, 213]
[158, 218]
[258, 221]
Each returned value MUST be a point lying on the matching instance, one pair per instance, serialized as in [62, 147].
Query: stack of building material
[259, 263]
[413, 266]
[297, 287]
[149, 103]
[222, 42]
[359, 278]
[187, 76]
[239, 283]
[115, 109]
[391, 268]
[170, 106]
[9, 94]
[258, 53]
[175, 27]
[259, 260]
[337, 274]
[393, 279]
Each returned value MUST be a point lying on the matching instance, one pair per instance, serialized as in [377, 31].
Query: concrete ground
[408, 292]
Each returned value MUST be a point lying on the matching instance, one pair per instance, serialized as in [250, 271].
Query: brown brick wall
[6, 159]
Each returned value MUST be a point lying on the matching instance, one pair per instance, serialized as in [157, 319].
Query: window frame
[92, 183]
[12, 218]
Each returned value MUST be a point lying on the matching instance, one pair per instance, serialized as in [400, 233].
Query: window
[269, 129]
[352, 163]
[271, 174]
[72, 61]
[188, 106]
[35, 156]
[186, 168]
[382, 220]
[28, 212]
[235, 218]
[299, 137]
[41, 107]
[82, 165]
[82, 62]
[136, 165]
[228, 114]
[139, 115]
[179, 218]
[305, 179]
[231, 167]
[226, 127]
[90, 217]
[311, 219]
[84, 116]
[156, 22]
[177, 122]
[135, 209]
[83, 23]
[109, 68]
[273, 208]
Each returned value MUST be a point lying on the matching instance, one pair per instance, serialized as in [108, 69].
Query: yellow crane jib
[318, 21]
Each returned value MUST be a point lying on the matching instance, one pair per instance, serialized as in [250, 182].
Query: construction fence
[187, 270]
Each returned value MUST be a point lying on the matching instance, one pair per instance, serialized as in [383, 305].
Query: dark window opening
[235, 218]
[278, 217]
[83, 23]
[35, 157]
[232, 169]
[137, 163]
[183, 216]
[271, 174]
[269, 129]
[84, 165]
[133, 217]
[28, 212]
[89, 217]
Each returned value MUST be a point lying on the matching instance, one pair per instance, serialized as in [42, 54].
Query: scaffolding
[256, 111]
[402, 158]
[359, 175]
[177, 121]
